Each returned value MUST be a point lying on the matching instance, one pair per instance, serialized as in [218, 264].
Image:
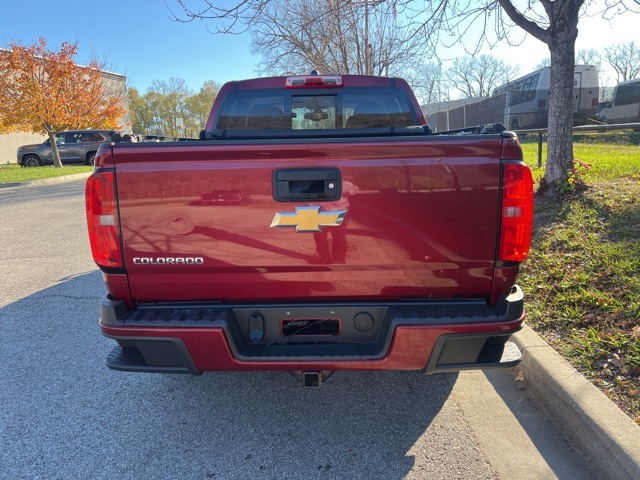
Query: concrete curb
[47, 181]
[591, 422]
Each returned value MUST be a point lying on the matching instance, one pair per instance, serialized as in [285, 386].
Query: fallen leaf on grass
[619, 361]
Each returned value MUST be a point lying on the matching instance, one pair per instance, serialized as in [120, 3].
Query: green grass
[582, 281]
[15, 173]
[608, 161]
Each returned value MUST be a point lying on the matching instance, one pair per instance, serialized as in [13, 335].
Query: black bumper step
[259, 332]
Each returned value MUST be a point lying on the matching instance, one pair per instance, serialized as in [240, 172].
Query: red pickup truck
[317, 225]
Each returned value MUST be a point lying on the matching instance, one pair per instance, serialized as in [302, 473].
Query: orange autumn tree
[45, 91]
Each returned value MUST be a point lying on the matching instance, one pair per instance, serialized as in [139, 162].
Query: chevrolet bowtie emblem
[309, 219]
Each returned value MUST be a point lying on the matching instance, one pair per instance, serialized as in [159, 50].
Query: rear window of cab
[364, 107]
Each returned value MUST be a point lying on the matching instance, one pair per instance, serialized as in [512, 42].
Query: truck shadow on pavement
[65, 415]
[357, 425]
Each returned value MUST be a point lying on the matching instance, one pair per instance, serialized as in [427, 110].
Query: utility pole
[368, 47]
[367, 56]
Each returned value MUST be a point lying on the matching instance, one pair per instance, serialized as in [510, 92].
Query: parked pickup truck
[317, 225]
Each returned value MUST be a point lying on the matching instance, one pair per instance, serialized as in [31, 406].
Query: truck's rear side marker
[309, 219]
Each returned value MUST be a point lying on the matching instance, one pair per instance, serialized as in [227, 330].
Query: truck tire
[91, 158]
[31, 161]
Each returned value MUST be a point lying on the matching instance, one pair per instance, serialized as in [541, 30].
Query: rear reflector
[314, 81]
[516, 222]
[102, 219]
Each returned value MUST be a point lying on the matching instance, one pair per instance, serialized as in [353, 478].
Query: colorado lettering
[168, 260]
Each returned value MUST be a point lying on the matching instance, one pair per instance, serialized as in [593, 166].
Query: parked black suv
[75, 146]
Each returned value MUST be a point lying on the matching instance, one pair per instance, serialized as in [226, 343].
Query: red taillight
[516, 222]
[314, 81]
[102, 219]
[594, 102]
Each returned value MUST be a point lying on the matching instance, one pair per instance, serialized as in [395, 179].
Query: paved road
[64, 415]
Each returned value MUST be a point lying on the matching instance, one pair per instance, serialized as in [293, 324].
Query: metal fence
[488, 110]
[584, 128]
[516, 111]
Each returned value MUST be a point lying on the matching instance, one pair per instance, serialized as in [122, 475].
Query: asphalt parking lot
[65, 415]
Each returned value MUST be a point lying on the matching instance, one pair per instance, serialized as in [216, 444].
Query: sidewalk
[587, 419]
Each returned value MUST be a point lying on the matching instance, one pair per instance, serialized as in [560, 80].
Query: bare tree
[593, 57]
[555, 23]
[481, 22]
[589, 57]
[479, 76]
[333, 36]
[624, 59]
[545, 62]
[429, 83]
[234, 18]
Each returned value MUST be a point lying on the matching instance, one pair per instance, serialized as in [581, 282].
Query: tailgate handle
[316, 184]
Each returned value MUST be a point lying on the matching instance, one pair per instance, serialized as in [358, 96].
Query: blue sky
[142, 42]
[138, 37]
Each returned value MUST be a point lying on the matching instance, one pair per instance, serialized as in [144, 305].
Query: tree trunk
[54, 149]
[560, 36]
[560, 152]
[560, 133]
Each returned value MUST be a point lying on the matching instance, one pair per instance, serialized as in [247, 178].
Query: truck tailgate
[421, 220]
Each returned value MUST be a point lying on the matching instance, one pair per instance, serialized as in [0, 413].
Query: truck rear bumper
[429, 336]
